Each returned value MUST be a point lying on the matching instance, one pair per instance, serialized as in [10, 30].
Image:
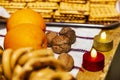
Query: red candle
[93, 61]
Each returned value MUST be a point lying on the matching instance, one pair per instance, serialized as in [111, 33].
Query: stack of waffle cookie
[46, 9]
[12, 6]
[72, 12]
[82, 11]
[103, 11]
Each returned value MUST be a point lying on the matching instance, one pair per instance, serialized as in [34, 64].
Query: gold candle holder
[103, 43]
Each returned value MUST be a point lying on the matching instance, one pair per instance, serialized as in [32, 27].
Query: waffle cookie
[24, 0]
[103, 13]
[75, 1]
[113, 2]
[46, 14]
[43, 5]
[59, 17]
[54, 0]
[102, 0]
[12, 6]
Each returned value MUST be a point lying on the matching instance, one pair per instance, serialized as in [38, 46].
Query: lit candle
[103, 42]
[93, 61]
[103, 36]
[93, 53]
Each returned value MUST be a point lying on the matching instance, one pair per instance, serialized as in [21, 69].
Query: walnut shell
[50, 36]
[63, 48]
[61, 44]
[70, 33]
[59, 40]
[67, 61]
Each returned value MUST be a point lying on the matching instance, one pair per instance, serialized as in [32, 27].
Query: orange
[25, 35]
[26, 15]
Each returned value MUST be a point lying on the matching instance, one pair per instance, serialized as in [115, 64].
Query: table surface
[100, 75]
[87, 75]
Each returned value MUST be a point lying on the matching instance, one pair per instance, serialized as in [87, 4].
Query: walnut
[61, 44]
[61, 48]
[67, 61]
[58, 40]
[50, 36]
[68, 32]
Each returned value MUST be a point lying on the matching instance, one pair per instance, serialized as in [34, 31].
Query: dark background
[114, 70]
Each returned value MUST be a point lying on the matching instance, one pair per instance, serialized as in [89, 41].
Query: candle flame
[93, 53]
[103, 35]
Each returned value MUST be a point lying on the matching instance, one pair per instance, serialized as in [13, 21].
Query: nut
[61, 44]
[67, 61]
[63, 48]
[59, 40]
[50, 36]
[68, 32]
